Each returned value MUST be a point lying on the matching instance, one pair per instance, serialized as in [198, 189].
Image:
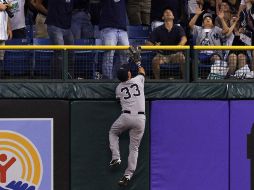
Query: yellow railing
[223, 47]
[94, 47]
[87, 47]
[165, 47]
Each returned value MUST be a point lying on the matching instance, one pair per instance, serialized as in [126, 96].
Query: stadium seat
[138, 31]
[90, 41]
[41, 41]
[137, 41]
[17, 42]
[17, 62]
[42, 58]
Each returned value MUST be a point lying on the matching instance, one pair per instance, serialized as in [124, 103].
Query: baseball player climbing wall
[130, 93]
[90, 153]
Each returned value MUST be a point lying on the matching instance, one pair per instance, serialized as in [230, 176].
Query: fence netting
[90, 64]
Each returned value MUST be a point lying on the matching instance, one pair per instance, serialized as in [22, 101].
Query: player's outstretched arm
[141, 71]
[134, 55]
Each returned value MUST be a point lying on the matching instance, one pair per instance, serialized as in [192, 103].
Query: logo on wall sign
[20, 162]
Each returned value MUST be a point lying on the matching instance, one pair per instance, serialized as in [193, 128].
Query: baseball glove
[134, 55]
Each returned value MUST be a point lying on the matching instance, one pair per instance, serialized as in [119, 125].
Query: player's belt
[129, 112]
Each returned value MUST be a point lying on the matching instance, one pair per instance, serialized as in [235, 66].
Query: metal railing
[91, 62]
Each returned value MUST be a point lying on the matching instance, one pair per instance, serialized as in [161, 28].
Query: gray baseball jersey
[131, 94]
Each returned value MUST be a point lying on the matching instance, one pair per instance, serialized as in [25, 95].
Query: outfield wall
[188, 144]
[196, 135]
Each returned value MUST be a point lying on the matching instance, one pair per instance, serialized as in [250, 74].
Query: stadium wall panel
[59, 111]
[241, 122]
[189, 145]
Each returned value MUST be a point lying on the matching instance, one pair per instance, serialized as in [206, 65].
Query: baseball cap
[207, 15]
[122, 73]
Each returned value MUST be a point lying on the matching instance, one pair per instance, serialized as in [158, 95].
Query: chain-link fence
[223, 63]
[92, 62]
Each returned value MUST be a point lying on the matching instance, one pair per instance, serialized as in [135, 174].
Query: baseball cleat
[124, 180]
[114, 163]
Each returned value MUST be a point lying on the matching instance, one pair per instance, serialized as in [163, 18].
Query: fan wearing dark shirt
[167, 34]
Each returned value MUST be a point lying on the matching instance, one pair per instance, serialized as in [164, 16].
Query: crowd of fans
[172, 22]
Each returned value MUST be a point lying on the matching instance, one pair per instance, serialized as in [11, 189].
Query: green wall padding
[90, 153]
[106, 91]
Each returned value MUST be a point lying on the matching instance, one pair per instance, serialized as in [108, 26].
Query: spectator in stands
[139, 12]
[18, 22]
[246, 21]
[208, 6]
[234, 5]
[113, 28]
[226, 8]
[236, 59]
[208, 35]
[245, 4]
[5, 32]
[81, 25]
[167, 34]
[59, 30]
[59, 21]
[40, 27]
[157, 7]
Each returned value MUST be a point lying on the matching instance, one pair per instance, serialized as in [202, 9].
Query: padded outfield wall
[188, 144]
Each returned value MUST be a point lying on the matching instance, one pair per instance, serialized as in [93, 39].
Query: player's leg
[116, 129]
[136, 134]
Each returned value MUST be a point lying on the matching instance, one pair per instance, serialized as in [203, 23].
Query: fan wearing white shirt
[5, 31]
[18, 24]
[208, 35]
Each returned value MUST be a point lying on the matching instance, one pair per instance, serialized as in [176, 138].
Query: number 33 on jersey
[131, 94]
